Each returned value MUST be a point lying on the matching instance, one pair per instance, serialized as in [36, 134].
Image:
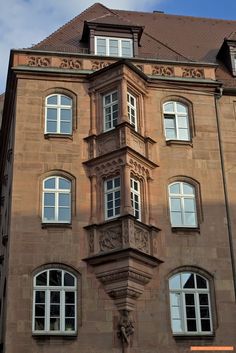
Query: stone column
[127, 208]
[93, 218]
[124, 110]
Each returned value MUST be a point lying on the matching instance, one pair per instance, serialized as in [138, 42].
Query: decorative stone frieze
[190, 72]
[71, 63]
[39, 61]
[98, 64]
[162, 70]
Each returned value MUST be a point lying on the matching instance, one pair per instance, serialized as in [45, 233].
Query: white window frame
[176, 115]
[119, 40]
[132, 110]
[56, 191]
[111, 105]
[181, 292]
[135, 198]
[58, 108]
[182, 197]
[112, 192]
[47, 289]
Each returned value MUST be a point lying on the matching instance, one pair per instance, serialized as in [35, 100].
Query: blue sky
[25, 22]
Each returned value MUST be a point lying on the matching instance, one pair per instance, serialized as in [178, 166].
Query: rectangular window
[132, 110]
[110, 110]
[135, 198]
[112, 198]
[114, 46]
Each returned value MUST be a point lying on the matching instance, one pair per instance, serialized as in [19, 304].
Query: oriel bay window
[190, 304]
[54, 302]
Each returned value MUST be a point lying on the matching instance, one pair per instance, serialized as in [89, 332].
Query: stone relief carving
[91, 242]
[126, 292]
[97, 65]
[142, 240]
[109, 167]
[69, 63]
[110, 239]
[138, 168]
[125, 328]
[192, 72]
[107, 145]
[162, 70]
[122, 275]
[39, 61]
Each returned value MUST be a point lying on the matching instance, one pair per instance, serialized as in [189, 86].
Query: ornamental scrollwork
[91, 242]
[110, 239]
[142, 240]
[39, 61]
[97, 65]
[69, 63]
[162, 70]
[189, 72]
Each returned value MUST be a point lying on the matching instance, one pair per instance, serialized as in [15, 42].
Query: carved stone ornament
[97, 65]
[162, 70]
[70, 63]
[110, 239]
[91, 242]
[140, 67]
[125, 328]
[108, 168]
[192, 72]
[138, 168]
[39, 61]
[142, 240]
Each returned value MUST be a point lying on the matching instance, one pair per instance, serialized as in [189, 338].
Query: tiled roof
[167, 37]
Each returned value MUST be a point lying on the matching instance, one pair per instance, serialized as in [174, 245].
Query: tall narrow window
[56, 200]
[110, 110]
[58, 114]
[110, 46]
[112, 197]
[132, 110]
[176, 121]
[135, 198]
[190, 304]
[54, 304]
[182, 205]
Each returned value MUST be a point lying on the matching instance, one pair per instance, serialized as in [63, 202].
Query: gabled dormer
[227, 53]
[110, 35]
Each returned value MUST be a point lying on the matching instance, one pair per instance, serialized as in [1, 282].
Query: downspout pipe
[218, 95]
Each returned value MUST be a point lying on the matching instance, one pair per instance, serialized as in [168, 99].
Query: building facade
[118, 196]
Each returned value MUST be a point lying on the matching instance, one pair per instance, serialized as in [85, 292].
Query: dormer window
[110, 46]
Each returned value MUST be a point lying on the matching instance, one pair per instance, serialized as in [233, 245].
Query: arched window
[190, 304]
[58, 114]
[182, 201]
[56, 200]
[54, 303]
[176, 121]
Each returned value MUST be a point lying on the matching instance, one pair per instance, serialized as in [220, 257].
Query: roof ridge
[165, 45]
[67, 23]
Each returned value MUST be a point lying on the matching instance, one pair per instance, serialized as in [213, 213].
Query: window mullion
[197, 310]
[62, 310]
[47, 310]
[183, 312]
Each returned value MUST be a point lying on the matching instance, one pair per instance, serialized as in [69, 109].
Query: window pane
[54, 310]
[187, 280]
[188, 189]
[70, 297]
[49, 199]
[126, 48]
[52, 99]
[204, 313]
[171, 134]
[109, 184]
[175, 310]
[203, 299]
[49, 184]
[66, 101]
[206, 326]
[175, 204]
[66, 114]
[181, 108]
[41, 280]
[64, 200]
[189, 299]
[51, 126]
[64, 214]
[69, 324]
[65, 127]
[170, 122]
[39, 296]
[114, 97]
[49, 213]
[64, 184]
[55, 297]
[55, 324]
[183, 122]
[190, 312]
[68, 280]
[39, 310]
[176, 219]
[108, 101]
[70, 311]
[175, 188]
[52, 113]
[191, 326]
[39, 324]
[183, 134]
[189, 205]
[101, 46]
[169, 107]
[190, 219]
[177, 326]
[174, 283]
[113, 47]
[201, 282]
[117, 182]
[55, 278]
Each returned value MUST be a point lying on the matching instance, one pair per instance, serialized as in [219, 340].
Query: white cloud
[25, 22]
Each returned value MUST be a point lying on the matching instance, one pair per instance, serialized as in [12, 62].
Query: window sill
[60, 136]
[49, 335]
[179, 142]
[56, 225]
[197, 336]
[185, 229]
